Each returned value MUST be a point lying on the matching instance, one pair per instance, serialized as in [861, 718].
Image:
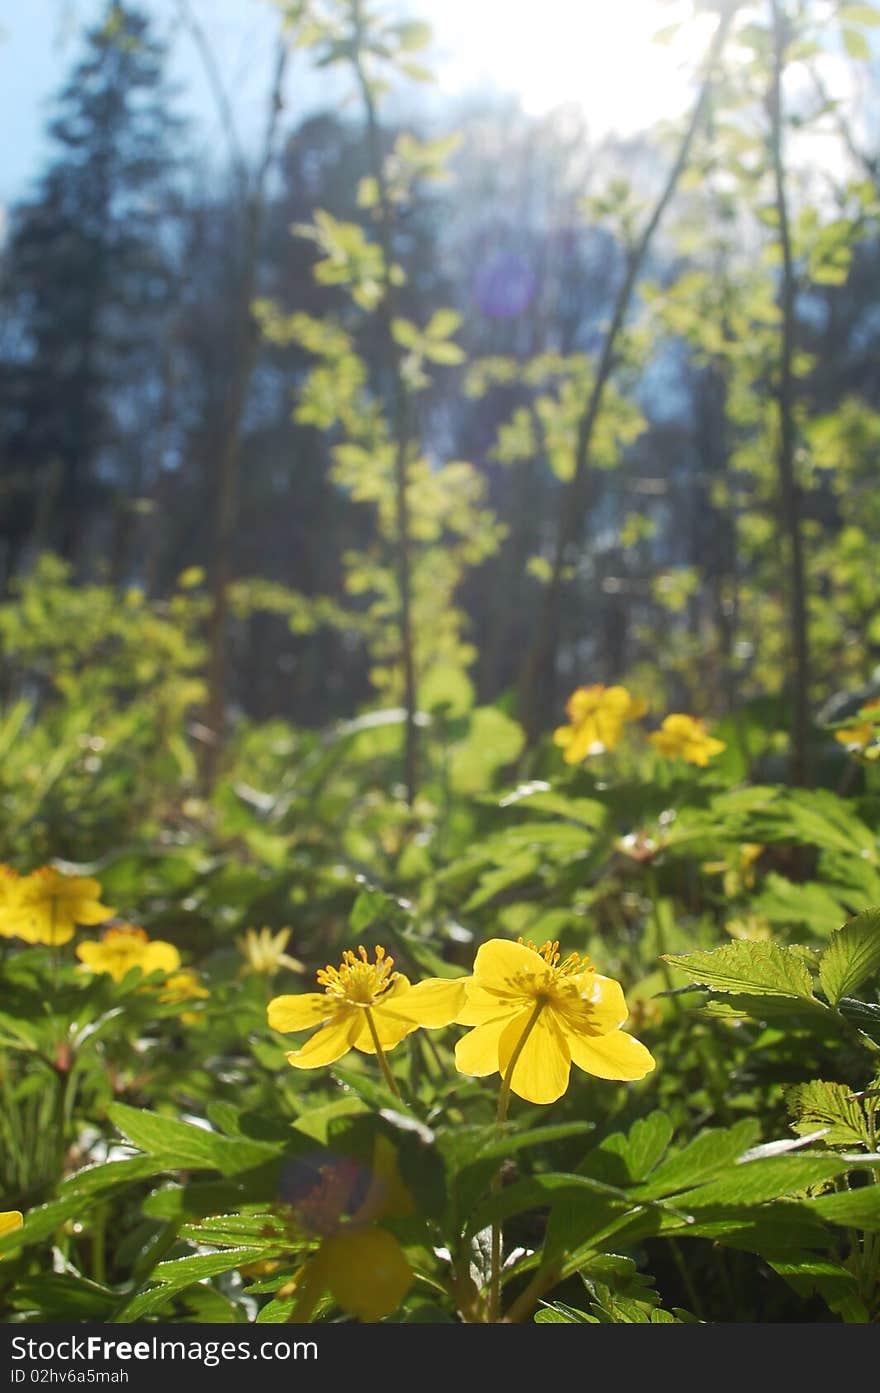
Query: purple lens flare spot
[504, 285]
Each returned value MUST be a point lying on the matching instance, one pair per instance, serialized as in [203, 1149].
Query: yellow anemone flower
[185, 985]
[49, 905]
[857, 738]
[123, 947]
[684, 737]
[534, 1016]
[597, 716]
[363, 1005]
[265, 952]
[360, 1263]
[10, 1220]
[10, 882]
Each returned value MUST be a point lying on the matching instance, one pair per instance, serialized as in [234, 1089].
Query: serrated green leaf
[700, 1160]
[818, 1104]
[852, 956]
[754, 968]
[190, 1145]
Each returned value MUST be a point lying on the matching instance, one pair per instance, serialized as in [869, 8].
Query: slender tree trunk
[247, 339]
[401, 414]
[538, 676]
[789, 491]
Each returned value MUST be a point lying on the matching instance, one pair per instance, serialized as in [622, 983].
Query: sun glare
[601, 56]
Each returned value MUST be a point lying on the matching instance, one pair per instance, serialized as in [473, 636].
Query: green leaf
[181, 1272]
[852, 956]
[765, 1178]
[818, 1104]
[864, 1015]
[859, 14]
[62, 1296]
[857, 1209]
[700, 1160]
[586, 812]
[560, 1314]
[493, 740]
[856, 44]
[755, 968]
[190, 1146]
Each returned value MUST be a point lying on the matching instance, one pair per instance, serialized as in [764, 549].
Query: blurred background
[645, 450]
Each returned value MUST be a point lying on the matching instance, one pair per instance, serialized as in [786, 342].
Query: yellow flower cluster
[597, 718]
[532, 1015]
[46, 906]
[863, 738]
[684, 737]
[123, 947]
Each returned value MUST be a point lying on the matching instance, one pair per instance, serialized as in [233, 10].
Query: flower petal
[541, 1072]
[612, 1056]
[481, 1004]
[604, 996]
[432, 1003]
[390, 1028]
[89, 912]
[500, 961]
[12, 1219]
[477, 1052]
[330, 1043]
[303, 1011]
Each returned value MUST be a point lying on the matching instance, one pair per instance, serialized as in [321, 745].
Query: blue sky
[592, 52]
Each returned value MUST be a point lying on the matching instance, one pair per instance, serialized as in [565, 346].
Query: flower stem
[380, 1055]
[494, 1305]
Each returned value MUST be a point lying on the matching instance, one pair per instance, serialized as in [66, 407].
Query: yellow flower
[184, 985]
[535, 1016]
[363, 1004]
[123, 947]
[857, 738]
[358, 1262]
[597, 716]
[10, 883]
[684, 737]
[265, 951]
[50, 905]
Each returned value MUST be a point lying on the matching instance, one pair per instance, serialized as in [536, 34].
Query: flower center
[553, 983]
[357, 981]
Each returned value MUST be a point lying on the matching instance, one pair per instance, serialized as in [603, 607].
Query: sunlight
[600, 56]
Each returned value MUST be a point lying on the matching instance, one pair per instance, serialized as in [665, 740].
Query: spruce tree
[86, 287]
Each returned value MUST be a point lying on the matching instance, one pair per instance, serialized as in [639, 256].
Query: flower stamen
[357, 981]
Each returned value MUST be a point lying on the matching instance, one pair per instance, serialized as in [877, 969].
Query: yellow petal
[366, 1271]
[540, 1074]
[481, 1004]
[159, 956]
[433, 1003]
[500, 962]
[608, 1008]
[584, 737]
[613, 1056]
[54, 934]
[330, 1043]
[300, 1012]
[390, 1028]
[477, 1052]
[11, 1220]
[90, 911]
